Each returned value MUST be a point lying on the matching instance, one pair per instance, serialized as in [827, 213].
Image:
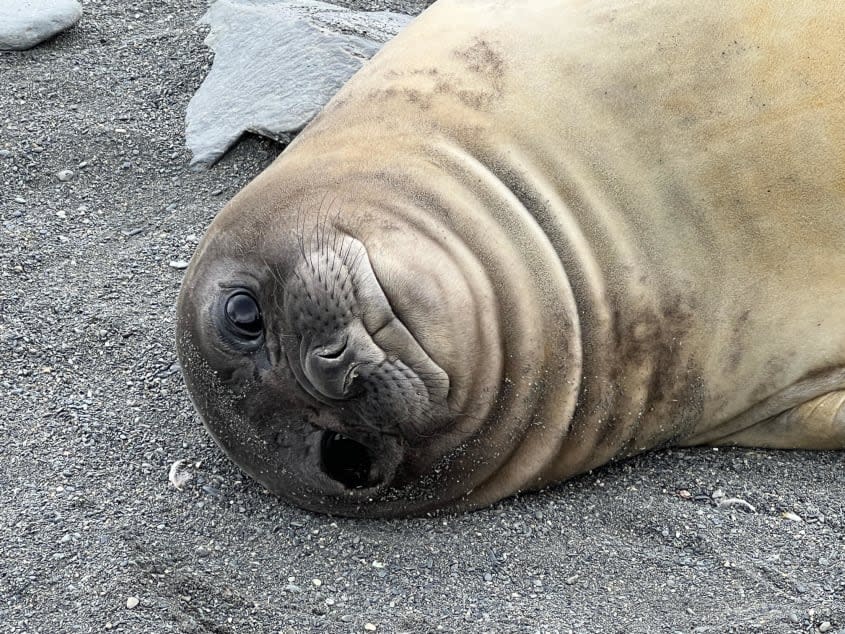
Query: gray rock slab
[276, 64]
[25, 23]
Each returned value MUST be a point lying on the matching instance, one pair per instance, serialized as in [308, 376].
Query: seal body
[529, 238]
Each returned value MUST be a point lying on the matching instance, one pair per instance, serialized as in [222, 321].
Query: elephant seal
[529, 238]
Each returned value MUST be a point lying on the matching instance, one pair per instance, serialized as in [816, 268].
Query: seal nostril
[330, 353]
[346, 461]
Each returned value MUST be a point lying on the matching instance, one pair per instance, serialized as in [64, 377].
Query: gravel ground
[94, 413]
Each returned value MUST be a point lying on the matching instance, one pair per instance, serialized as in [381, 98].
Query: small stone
[317, 583]
[370, 627]
[65, 175]
[25, 24]
[825, 626]
[378, 564]
[793, 517]
[19, 200]
[5, 153]
[488, 576]
[132, 602]
[213, 492]
[177, 477]
[735, 503]
[178, 264]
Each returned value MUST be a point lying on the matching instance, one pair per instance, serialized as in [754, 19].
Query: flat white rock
[276, 64]
[25, 23]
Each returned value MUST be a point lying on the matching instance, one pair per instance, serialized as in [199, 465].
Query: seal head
[342, 376]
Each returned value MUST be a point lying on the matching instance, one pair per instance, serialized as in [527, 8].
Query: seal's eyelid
[246, 283]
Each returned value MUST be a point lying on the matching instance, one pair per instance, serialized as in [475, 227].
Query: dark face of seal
[327, 381]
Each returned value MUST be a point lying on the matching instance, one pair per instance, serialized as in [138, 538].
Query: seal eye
[244, 315]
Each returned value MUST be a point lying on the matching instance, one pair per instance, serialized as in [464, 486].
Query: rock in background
[25, 23]
[276, 65]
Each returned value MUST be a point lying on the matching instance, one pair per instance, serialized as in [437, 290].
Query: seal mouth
[347, 461]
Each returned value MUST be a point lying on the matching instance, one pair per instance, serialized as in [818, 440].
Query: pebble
[825, 626]
[65, 175]
[132, 602]
[5, 153]
[370, 627]
[317, 583]
[793, 517]
[178, 264]
[25, 24]
[210, 490]
[735, 502]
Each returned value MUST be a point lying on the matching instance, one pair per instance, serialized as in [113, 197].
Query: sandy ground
[94, 413]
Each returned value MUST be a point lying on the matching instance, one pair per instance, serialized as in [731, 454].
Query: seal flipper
[809, 414]
[816, 424]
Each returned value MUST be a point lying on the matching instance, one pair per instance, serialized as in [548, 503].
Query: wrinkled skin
[529, 239]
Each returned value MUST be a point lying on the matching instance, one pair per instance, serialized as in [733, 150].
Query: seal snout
[331, 363]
